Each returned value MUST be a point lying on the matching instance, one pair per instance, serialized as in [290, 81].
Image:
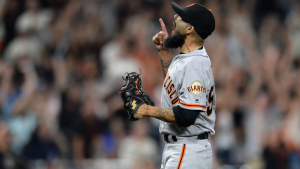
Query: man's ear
[189, 29]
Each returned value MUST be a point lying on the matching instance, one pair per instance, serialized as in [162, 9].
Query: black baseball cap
[199, 16]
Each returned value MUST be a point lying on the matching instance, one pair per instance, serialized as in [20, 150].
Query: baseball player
[188, 106]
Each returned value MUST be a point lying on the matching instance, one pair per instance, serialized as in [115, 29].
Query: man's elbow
[185, 117]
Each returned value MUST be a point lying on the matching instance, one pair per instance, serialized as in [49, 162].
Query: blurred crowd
[62, 62]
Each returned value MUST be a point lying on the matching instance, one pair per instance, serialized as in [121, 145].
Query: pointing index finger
[163, 26]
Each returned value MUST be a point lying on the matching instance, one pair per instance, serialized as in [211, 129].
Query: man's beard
[174, 41]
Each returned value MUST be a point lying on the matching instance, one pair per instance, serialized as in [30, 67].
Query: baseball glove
[131, 92]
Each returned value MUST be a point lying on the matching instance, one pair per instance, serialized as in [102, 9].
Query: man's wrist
[141, 112]
[164, 51]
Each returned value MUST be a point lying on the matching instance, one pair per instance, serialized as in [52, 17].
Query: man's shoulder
[196, 62]
[189, 61]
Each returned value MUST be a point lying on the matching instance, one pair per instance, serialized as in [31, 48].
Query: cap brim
[179, 10]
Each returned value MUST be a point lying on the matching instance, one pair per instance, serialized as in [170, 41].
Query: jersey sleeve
[192, 90]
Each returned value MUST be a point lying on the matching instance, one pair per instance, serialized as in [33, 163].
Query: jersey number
[210, 101]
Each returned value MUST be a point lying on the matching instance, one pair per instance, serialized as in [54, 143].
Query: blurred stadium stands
[61, 63]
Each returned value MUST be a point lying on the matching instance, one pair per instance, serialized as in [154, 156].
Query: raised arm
[164, 53]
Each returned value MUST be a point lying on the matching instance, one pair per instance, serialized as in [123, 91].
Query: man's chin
[174, 41]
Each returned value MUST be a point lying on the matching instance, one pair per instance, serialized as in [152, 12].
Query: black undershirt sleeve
[185, 117]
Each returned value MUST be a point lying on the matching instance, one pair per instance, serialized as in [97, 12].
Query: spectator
[7, 158]
[41, 145]
[138, 147]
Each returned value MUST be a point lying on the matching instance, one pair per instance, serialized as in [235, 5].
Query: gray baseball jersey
[189, 83]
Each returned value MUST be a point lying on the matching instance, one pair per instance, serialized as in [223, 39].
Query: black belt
[199, 137]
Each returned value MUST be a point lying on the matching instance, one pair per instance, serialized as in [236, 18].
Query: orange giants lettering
[196, 88]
